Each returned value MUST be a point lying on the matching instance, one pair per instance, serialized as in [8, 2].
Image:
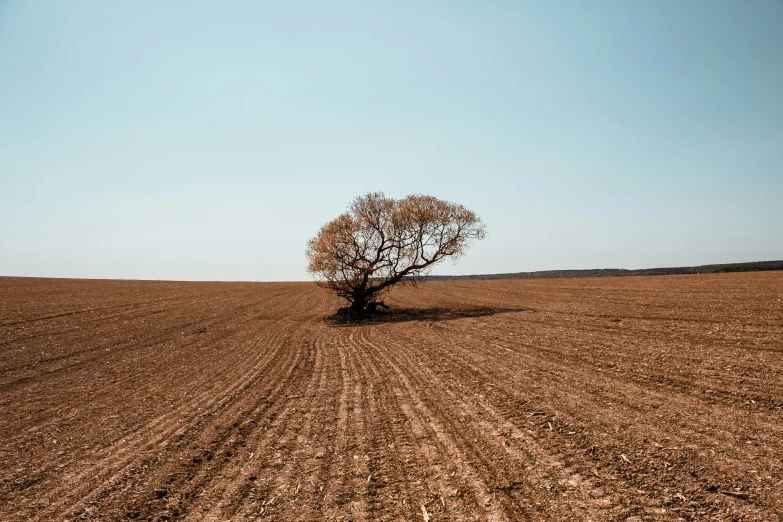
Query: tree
[381, 242]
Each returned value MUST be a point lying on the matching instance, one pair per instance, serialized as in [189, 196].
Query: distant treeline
[755, 266]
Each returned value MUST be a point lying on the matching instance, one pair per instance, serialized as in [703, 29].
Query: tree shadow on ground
[432, 315]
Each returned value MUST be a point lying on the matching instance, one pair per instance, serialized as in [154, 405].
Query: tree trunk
[359, 303]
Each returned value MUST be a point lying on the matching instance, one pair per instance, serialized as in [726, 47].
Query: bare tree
[381, 242]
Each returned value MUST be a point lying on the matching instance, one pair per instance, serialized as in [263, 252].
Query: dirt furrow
[271, 479]
[205, 454]
[109, 466]
[576, 397]
[296, 457]
[516, 466]
[396, 484]
[438, 438]
[628, 399]
[216, 488]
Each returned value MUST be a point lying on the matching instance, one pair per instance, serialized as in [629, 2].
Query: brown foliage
[381, 242]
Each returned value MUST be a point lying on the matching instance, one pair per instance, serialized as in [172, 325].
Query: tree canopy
[381, 242]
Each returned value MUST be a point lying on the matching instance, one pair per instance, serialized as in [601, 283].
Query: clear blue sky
[211, 140]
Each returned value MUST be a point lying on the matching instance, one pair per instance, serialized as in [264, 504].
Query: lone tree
[380, 242]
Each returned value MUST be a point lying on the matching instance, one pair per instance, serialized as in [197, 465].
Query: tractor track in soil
[632, 398]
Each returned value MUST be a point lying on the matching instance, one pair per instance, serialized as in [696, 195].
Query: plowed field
[634, 398]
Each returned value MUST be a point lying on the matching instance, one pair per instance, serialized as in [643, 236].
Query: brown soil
[635, 398]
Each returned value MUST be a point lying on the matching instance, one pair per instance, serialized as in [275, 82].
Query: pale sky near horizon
[211, 140]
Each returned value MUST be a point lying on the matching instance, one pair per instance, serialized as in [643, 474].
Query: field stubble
[633, 398]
